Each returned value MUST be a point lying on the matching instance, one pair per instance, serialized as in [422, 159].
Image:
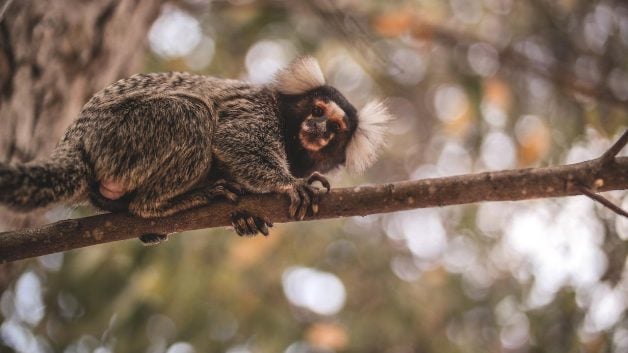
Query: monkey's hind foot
[304, 197]
[248, 224]
[151, 239]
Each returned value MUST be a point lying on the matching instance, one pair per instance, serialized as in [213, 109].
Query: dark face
[326, 122]
[321, 122]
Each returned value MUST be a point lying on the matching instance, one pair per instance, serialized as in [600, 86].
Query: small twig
[4, 8]
[601, 199]
[609, 155]
[607, 158]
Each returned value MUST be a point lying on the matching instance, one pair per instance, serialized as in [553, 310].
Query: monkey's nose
[317, 124]
[321, 125]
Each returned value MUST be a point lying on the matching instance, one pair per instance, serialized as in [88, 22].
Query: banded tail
[38, 184]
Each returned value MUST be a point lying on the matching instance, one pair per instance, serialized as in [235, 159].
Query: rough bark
[522, 184]
[53, 56]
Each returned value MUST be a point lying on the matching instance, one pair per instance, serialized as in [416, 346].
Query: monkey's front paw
[304, 196]
[227, 189]
[248, 224]
[151, 239]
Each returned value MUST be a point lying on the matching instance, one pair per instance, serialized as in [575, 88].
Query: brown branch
[610, 154]
[507, 185]
[603, 200]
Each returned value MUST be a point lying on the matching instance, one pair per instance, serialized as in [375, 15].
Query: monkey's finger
[267, 221]
[316, 176]
[315, 195]
[231, 196]
[243, 226]
[224, 192]
[305, 203]
[261, 226]
[236, 225]
[250, 222]
[295, 202]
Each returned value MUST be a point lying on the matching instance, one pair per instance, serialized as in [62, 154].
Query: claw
[243, 226]
[305, 198]
[295, 201]
[316, 176]
[251, 224]
[262, 227]
[305, 203]
[236, 226]
[267, 221]
[315, 198]
[246, 223]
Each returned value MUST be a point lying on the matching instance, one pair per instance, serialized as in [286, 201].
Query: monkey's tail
[63, 177]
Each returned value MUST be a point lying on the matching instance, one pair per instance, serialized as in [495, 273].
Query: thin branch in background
[602, 200]
[512, 58]
[351, 29]
[418, 27]
[4, 8]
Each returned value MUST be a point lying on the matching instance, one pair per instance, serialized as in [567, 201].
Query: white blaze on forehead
[302, 75]
[368, 138]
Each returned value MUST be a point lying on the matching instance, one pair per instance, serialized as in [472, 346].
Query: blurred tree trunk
[53, 56]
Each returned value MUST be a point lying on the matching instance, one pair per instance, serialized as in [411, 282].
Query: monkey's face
[322, 129]
[328, 121]
[319, 126]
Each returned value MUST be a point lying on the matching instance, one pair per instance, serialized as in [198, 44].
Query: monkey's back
[151, 131]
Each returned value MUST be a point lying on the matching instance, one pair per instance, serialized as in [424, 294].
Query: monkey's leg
[146, 206]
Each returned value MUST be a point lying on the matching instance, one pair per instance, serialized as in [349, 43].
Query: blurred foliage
[475, 85]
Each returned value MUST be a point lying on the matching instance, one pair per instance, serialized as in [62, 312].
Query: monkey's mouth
[314, 135]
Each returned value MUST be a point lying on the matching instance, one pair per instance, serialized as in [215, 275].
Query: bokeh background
[474, 86]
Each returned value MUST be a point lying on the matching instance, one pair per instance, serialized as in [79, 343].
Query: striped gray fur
[173, 141]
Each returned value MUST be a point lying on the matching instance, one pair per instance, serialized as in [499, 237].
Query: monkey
[159, 143]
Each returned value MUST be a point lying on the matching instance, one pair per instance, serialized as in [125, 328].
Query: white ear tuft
[302, 75]
[368, 139]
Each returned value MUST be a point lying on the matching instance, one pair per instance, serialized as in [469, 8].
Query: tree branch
[602, 200]
[610, 154]
[510, 185]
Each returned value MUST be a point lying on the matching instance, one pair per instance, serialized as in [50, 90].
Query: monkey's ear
[302, 75]
[368, 139]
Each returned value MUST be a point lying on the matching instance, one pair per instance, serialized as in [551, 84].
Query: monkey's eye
[333, 126]
[317, 111]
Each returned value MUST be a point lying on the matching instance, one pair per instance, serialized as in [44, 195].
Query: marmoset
[156, 144]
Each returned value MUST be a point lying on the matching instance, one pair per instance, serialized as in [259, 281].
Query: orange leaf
[327, 335]
[393, 24]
